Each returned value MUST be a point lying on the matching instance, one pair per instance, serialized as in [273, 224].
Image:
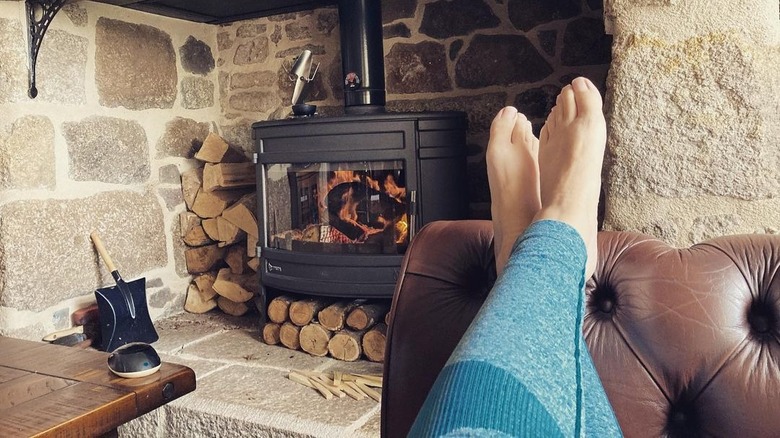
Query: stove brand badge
[272, 268]
[352, 80]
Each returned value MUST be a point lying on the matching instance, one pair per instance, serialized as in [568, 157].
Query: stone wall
[124, 100]
[468, 55]
[126, 97]
[694, 118]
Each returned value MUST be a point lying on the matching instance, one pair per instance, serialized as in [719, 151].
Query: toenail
[579, 84]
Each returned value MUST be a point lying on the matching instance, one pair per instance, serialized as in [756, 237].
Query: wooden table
[51, 390]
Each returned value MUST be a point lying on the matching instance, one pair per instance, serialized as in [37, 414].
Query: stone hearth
[243, 389]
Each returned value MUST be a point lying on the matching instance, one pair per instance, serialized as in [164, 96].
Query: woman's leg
[522, 368]
[513, 176]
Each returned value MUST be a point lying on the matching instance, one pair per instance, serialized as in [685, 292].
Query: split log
[224, 176]
[346, 345]
[216, 150]
[289, 335]
[242, 214]
[374, 343]
[210, 227]
[229, 233]
[212, 204]
[187, 221]
[205, 283]
[303, 311]
[236, 287]
[231, 307]
[334, 316]
[279, 308]
[271, 333]
[196, 302]
[314, 339]
[366, 315]
[251, 245]
[192, 231]
[236, 259]
[191, 182]
[203, 258]
[197, 237]
[254, 263]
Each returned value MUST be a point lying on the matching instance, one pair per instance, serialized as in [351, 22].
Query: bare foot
[571, 152]
[513, 175]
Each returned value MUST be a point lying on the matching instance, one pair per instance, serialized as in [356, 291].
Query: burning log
[365, 315]
[343, 201]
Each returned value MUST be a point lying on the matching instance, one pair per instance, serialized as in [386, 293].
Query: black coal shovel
[124, 315]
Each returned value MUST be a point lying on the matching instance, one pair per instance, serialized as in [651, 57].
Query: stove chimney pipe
[362, 56]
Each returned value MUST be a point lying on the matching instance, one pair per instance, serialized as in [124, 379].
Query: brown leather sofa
[686, 341]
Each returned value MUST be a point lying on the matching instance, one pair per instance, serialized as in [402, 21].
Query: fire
[351, 202]
[402, 229]
[392, 189]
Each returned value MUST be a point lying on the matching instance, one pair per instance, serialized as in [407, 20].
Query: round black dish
[136, 359]
[304, 109]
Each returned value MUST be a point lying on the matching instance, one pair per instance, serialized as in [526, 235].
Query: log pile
[346, 330]
[220, 229]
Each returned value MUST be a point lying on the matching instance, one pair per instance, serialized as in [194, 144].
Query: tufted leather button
[762, 318]
[604, 299]
[682, 421]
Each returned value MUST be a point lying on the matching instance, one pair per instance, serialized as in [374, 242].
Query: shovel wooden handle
[102, 251]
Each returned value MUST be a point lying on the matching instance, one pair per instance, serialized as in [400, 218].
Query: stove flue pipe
[362, 56]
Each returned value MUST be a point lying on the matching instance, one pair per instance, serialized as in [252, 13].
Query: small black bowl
[136, 359]
[304, 110]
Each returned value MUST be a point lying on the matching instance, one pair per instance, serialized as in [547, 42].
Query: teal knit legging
[522, 369]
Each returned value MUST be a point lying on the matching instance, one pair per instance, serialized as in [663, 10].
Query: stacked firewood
[220, 229]
[345, 330]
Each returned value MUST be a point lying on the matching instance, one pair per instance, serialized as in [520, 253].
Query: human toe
[587, 96]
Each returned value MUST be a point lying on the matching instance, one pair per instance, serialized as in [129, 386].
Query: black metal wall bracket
[40, 13]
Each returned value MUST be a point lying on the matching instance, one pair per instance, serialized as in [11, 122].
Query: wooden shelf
[215, 12]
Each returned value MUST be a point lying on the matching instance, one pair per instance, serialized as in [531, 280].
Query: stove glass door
[345, 207]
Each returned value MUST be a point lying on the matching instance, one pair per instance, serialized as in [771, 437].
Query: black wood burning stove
[340, 198]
